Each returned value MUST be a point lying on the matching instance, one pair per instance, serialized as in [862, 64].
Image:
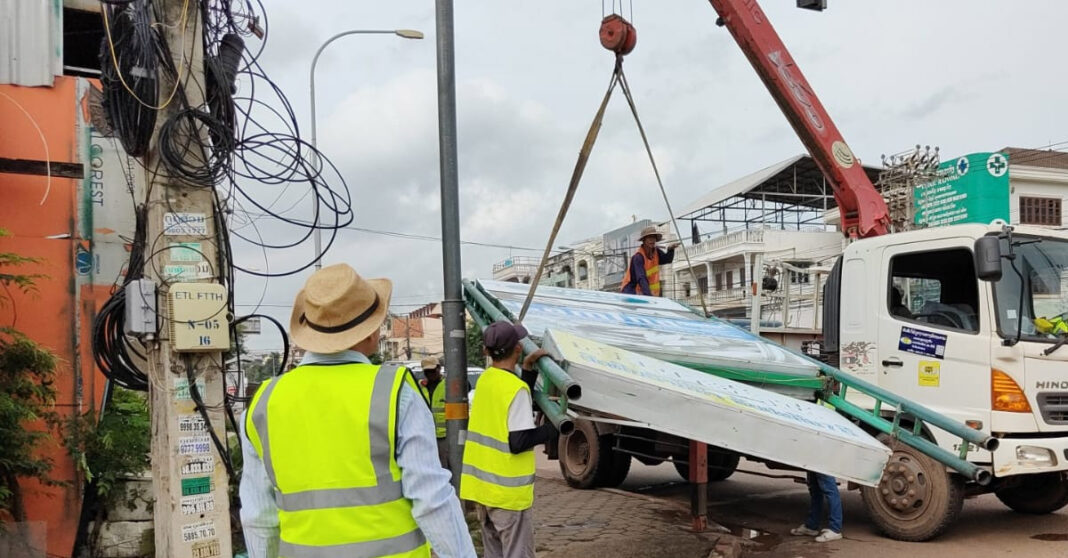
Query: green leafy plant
[474, 345]
[114, 448]
[26, 397]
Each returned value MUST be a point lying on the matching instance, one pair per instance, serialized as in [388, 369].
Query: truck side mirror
[988, 258]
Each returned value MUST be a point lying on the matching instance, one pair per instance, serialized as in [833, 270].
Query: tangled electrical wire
[128, 75]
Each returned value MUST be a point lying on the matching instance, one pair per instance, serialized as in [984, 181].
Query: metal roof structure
[794, 188]
[31, 51]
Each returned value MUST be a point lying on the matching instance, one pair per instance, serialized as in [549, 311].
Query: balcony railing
[748, 236]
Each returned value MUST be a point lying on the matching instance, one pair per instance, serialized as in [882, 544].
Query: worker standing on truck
[340, 455]
[433, 388]
[498, 471]
[643, 272]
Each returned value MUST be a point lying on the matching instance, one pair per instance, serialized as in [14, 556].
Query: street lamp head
[409, 33]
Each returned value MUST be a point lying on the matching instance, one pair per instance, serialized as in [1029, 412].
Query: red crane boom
[863, 210]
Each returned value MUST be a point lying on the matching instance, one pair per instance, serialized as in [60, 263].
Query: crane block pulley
[618, 35]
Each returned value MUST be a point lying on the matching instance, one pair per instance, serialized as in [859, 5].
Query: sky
[964, 75]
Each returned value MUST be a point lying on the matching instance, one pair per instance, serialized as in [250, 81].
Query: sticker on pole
[181, 388]
[208, 549]
[192, 445]
[919, 342]
[195, 505]
[199, 531]
[185, 224]
[189, 424]
[200, 465]
[196, 485]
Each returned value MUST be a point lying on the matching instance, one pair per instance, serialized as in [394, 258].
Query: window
[741, 277]
[686, 289]
[730, 279]
[719, 281]
[936, 288]
[1040, 211]
[583, 270]
[702, 283]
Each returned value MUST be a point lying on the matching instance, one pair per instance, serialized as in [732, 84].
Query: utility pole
[453, 313]
[191, 510]
[408, 335]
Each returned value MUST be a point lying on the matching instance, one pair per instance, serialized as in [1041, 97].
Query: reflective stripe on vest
[492, 475]
[338, 492]
[652, 273]
[437, 405]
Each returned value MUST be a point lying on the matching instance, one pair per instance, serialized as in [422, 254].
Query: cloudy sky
[966, 75]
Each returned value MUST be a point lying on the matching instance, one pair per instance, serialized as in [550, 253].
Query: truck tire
[585, 457]
[917, 499]
[1036, 494]
[721, 465]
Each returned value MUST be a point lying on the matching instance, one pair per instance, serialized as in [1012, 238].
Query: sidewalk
[571, 523]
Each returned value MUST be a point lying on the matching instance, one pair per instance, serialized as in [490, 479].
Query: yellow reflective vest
[327, 436]
[492, 475]
[437, 405]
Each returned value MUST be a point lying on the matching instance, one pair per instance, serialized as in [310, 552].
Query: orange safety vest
[652, 272]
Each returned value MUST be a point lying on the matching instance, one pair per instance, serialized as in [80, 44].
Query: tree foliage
[114, 448]
[474, 345]
[27, 395]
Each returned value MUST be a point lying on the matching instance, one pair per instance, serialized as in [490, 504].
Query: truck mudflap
[1026, 456]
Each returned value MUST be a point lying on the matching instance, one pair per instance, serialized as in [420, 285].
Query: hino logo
[1051, 385]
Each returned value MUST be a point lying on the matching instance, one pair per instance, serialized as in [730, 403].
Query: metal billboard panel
[657, 327]
[698, 406]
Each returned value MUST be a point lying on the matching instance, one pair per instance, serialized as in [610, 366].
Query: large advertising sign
[970, 189]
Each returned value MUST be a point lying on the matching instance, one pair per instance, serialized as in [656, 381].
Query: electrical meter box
[199, 319]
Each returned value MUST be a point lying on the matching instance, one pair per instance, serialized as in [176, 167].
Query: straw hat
[651, 231]
[337, 309]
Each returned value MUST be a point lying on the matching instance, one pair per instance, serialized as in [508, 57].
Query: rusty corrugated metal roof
[31, 41]
[1048, 159]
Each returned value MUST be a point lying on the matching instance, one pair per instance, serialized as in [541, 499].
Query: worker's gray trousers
[507, 533]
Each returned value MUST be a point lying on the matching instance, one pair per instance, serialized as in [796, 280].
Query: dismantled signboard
[732, 415]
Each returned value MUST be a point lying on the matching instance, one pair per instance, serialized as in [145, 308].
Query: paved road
[771, 507]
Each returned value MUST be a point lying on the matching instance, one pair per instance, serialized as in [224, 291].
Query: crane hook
[618, 35]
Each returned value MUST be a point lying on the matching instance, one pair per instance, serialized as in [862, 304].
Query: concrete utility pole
[408, 335]
[453, 320]
[192, 510]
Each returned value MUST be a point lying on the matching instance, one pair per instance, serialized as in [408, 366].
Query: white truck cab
[982, 346]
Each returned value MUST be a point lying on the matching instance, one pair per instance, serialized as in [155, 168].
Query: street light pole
[453, 313]
[404, 34]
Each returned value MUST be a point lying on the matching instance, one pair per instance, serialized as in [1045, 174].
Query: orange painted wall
[58, 314]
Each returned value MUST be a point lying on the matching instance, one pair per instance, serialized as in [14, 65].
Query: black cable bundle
[115, 353]
[128, 75]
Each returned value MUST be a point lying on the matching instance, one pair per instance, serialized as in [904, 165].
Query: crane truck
[985, 347]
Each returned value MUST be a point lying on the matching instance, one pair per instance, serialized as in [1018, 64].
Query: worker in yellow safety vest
[433, 388]
[498, 466]
[643, 271]
[339, 455]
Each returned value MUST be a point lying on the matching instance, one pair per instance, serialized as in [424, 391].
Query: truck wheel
[917, 499]
[1037, 494]
[721, 465]
[583, 454]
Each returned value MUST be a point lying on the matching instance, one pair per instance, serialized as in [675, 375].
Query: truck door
[934, 340]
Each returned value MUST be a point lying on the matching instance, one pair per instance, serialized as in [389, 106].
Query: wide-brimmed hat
[651, 231]
[429, 362]
[337, 309]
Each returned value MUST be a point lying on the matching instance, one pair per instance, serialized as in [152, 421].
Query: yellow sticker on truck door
[929, 371]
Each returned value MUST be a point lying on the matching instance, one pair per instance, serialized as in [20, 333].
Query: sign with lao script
[698, 406]
[970, 189]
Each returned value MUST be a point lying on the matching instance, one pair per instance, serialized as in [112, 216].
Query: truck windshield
[1044, 267]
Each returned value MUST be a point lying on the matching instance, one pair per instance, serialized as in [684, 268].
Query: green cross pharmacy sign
[970, 189]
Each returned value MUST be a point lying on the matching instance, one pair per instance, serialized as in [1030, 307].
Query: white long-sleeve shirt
[435, 507]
